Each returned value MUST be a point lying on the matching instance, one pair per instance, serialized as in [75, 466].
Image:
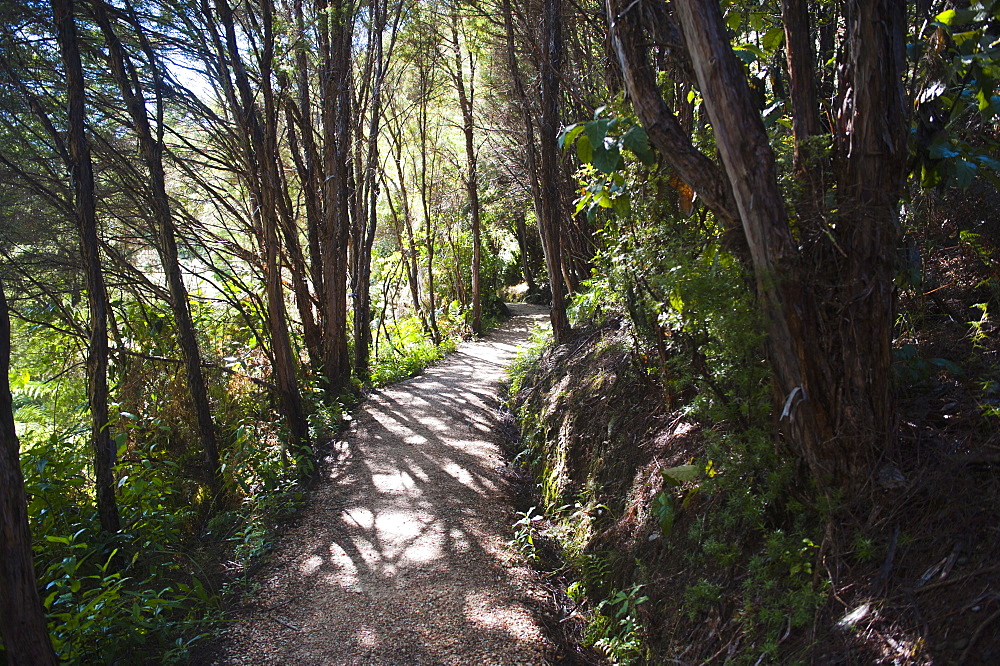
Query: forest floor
[402, 555]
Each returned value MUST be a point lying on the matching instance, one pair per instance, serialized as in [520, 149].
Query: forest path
[402, 555]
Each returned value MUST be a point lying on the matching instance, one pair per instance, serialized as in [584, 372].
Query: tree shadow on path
[402, 557]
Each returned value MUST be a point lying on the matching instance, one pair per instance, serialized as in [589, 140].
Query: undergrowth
[410, 351]
[650, 438]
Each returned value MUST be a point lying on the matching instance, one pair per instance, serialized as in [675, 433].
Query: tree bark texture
[82, 173]
[550, 222]
[829, 317]
[809, 164]
[335, 32]
[22, 620]
[465, 99]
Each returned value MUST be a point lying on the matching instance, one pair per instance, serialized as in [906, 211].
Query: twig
[883, 575]
[948, 581]
[283, 623]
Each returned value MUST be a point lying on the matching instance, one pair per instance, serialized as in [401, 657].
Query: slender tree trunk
[82, 172]
[465, 100]
[366, 239]
[284, 365]
[425, 197]
[335, 32]
[530, 157]
[312, 335]
[311, 160]
[521, 232]
[262, 150]
[151, 149]
[413, 266]
[549, 224]
[805, 117]
[22, 620]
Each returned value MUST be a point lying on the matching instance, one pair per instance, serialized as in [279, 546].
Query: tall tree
[82, 174]
[336, 24]
[151, 150]
[379, 59]
[261, 153]
[22, 620]
[828, 293]
[466, 97]
[550, 222]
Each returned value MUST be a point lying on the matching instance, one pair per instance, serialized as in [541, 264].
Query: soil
[402, 556]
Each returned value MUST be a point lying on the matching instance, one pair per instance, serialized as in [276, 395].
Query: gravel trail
[402, 556]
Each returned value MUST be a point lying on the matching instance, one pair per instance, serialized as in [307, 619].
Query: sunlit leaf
[584, 149]
[569, 135]
[773, 39]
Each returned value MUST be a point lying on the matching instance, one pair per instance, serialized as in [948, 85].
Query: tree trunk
[829, 318]
[335, 32]
[465, 98]
[426, 82]
[82, 172]
[151, 150]
[805, 117]
[664, 130]
[22, 620]
[366, 237]
[521, 232]
[262, 150]
[530, 158]
[311, 161]
[549, 224]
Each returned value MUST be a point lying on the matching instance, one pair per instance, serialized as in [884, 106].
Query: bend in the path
[402, 557]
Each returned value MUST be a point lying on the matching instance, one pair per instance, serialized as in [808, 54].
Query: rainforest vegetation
[767, 233]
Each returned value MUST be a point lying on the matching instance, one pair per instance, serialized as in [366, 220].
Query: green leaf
[988, 162]
[121, 442]
[965, 173]
[622, 204]
[637, 141]
[568, 135]
[955, 17]
[584, 149]
[941, 151]
[680, 474]
[773, 39]
[733, 20]
[607, 158]
[596, 131]
[947, 17]
[745, 54]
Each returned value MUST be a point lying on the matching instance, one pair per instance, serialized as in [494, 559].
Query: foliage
[616, 629]
[957, 72]
[411, 351]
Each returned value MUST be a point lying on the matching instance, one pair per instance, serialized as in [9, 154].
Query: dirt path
[402, 556]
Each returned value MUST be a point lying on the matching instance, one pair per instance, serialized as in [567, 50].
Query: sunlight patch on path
[403, 556]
